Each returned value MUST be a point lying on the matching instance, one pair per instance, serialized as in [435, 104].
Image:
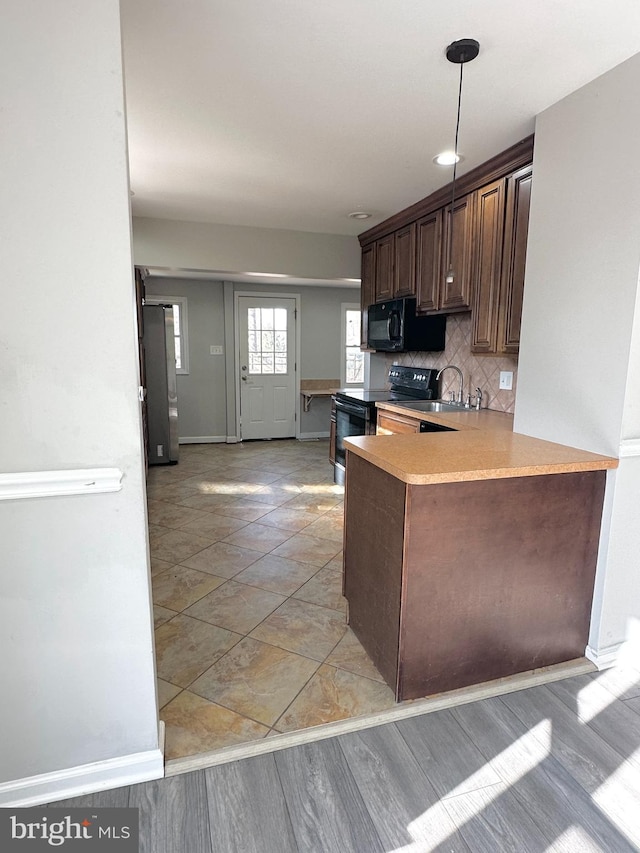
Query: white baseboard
[233, 439]
[202, 439]
[85, 779]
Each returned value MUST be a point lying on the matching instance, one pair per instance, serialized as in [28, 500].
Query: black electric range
[355, 408]
[405, 383]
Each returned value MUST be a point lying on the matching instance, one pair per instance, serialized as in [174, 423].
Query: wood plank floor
[551, 768]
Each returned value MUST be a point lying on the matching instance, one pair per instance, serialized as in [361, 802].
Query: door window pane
[267, 340]
[267, 318]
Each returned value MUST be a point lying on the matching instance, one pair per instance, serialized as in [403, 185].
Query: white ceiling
[291, 113]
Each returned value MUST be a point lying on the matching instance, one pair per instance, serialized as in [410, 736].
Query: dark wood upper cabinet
[514, 258]
[490, 209]
[429, 260]
[503, 218]
[367, 288]
[385, 248]
[484, 238]
[458, 248]
[437, 247]
[404, 267]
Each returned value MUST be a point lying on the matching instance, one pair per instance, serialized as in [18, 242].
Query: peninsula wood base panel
[457, 583]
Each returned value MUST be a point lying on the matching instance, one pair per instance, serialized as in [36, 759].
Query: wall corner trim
[85, 779]
[604, 658]
[49, 484]
[629, 447]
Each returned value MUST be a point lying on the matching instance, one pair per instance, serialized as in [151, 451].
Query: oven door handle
[351, 409]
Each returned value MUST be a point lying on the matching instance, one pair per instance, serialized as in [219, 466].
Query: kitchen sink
[432, 406]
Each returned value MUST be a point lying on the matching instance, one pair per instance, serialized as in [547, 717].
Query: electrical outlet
[215, 350]
[160, 450]
[506, 380]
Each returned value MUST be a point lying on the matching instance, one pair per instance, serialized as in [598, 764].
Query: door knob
[244, 366]
[244, 378]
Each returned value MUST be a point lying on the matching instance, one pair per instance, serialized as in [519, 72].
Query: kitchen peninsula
[469, 555]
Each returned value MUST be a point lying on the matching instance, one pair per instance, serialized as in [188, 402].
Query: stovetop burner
[363, 395]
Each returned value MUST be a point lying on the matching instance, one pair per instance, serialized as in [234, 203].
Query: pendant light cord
[455, 167]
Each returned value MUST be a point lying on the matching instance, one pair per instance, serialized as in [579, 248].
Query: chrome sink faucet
[460, 377]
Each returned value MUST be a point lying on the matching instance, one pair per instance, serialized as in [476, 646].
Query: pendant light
[458, 52]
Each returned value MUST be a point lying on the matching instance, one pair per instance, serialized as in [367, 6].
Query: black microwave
[394, 327]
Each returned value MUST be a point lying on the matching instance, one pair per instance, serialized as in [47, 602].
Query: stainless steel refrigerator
[162, 395]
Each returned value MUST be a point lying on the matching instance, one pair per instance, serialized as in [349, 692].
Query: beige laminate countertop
[463, 420]
[471, 454]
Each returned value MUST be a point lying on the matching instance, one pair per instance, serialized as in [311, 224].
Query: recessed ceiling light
[269, 274]
[447, 158]
[359, 214]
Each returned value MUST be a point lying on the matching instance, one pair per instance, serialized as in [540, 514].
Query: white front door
[267, 336]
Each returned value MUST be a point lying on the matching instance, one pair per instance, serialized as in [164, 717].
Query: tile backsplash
[481, 371]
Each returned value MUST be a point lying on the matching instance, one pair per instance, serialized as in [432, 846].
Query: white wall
[578, 383]
[76, 668]
[230, 248]
[202, 395]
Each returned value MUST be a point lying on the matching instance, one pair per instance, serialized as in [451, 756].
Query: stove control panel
[419, 382]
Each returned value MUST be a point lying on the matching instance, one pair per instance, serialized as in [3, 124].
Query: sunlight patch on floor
[573, 838]
[618, 798]
[227, 489]
[594, 698]
[434, 825]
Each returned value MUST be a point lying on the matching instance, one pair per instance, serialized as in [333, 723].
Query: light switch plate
[214, 350]
[506, 380]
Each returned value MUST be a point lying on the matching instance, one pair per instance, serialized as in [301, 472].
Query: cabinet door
[514, 258]
[367, 287]
[458, 245]
[384, 268]
[404, 266]
[428, 261]
[487, 266]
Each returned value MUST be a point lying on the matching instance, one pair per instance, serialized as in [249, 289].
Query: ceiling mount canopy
[458, 52]
[463, 50]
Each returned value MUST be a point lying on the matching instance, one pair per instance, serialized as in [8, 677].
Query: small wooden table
[310, 388]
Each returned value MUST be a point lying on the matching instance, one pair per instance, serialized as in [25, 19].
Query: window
[352, 357]
[180, 338]
[267, 340]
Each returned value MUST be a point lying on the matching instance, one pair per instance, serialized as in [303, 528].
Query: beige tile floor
[251, 633]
